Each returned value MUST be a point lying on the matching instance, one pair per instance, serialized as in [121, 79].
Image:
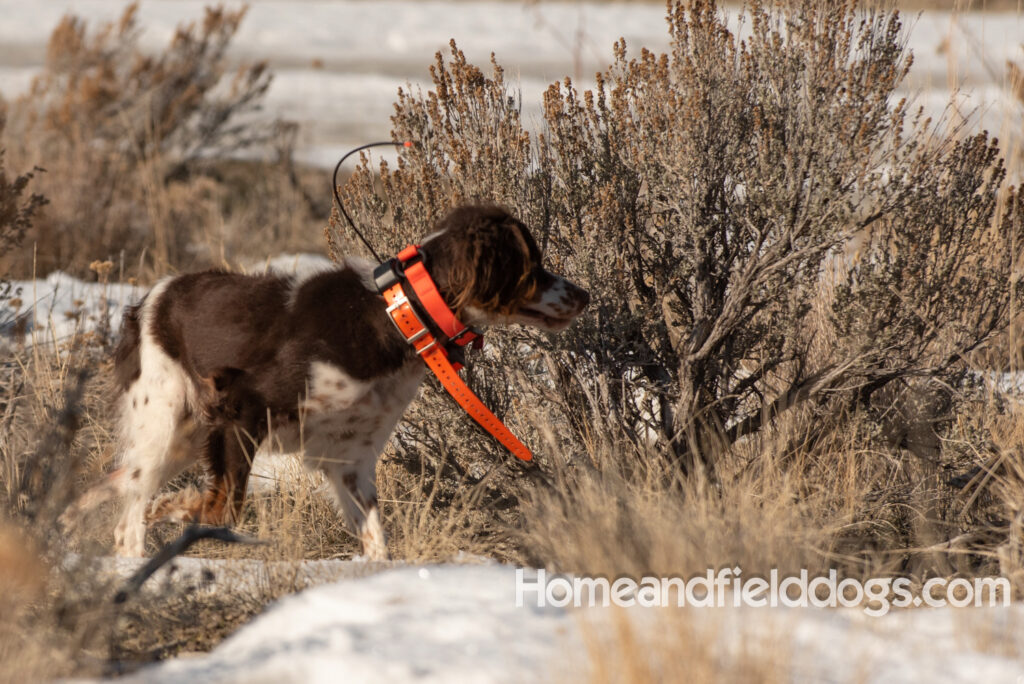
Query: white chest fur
[346, 422]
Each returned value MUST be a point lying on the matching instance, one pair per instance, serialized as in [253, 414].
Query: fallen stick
[190, 536]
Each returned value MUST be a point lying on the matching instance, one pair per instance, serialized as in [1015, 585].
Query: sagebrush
[137, 147]
[789, 266]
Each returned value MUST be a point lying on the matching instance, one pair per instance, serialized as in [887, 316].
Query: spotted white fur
[152, 412]
[556, 301]
[345, 426]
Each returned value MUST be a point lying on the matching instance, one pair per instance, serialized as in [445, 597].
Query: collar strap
[417, 333]
[410, 266]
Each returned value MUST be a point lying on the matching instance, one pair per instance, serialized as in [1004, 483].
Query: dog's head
[489, 270]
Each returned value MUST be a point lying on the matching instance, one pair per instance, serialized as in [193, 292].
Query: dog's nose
[579, 295]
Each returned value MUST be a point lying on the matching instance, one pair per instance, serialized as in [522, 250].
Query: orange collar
[420, 319]
[410, 265]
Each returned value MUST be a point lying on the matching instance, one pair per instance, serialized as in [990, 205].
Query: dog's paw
[183, 505]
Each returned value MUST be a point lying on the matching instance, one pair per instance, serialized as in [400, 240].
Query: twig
[190, 536]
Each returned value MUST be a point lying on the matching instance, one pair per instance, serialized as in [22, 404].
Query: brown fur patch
[486, 258]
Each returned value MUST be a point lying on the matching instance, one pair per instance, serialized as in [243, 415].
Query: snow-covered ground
[460, 623]
[339, 64]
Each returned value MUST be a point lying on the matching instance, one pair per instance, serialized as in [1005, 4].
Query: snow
[460, 623]
[427, 624]
[1009, 385]
[56, 309]
[339, 64]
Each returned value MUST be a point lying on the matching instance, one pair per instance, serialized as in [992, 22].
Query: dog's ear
[489, 258]
[513, 263]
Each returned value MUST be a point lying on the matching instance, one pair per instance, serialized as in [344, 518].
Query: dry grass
[671, 647]
[59, 618]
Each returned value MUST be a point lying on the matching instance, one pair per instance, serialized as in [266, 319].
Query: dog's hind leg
[227, 457]
[228, 461]
[156, 429]
[157, 447]
[231, 448]
[235, 423]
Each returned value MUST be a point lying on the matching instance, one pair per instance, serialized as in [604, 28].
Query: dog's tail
[127, 365]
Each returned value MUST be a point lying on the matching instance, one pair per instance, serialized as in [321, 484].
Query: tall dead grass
[674, 648]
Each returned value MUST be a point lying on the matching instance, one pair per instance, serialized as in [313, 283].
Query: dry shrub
[789, 269]
[135, 145]
[52, 625]
[437, 514]
[16, 213]
[16, 210]
[1015, 132]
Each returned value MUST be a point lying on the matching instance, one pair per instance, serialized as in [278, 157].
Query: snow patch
[56, 309]
[460, 623]
[426, 624]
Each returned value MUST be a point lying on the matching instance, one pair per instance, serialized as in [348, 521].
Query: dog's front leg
[371, 530]
[356, 499]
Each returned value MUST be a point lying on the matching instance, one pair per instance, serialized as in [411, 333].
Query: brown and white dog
[210, 362]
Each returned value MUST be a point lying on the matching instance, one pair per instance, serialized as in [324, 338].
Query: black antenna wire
[334, 187]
